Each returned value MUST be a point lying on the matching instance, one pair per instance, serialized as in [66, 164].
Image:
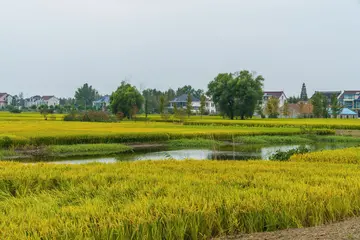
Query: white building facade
[51, 101]
[181, 102]
[276, 94]
[5, 100]
[38, 101]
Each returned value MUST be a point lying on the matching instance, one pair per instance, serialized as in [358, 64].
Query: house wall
[52, 102]
[209, 106]
[33, 102]
[6, 100]
[347, 116]
[9, 100]
[282, 100]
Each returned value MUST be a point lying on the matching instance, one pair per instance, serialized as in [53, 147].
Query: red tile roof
[47, 97]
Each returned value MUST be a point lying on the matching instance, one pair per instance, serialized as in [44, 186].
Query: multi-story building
[277, 94]
[350, 99]
[50, 101]
[181, 102]
[38, 101]
[5, 100]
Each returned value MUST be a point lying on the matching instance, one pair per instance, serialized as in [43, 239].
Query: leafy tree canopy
[237, 94]
[187, 89]
[85, 95]
[125, 100]
[320, 105]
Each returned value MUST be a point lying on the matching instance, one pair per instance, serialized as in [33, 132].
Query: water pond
[240, 152]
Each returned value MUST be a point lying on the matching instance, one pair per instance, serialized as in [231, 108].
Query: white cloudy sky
[52, 47]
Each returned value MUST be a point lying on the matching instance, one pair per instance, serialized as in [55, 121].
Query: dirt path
[349, 229]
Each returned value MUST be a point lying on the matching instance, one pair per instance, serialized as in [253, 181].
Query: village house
[33, 101]
[276, 94]
[345, 113]
[181, 102]
[38, 101]
[50, 101]
[5, 100]
[351, 100]
[102, 102]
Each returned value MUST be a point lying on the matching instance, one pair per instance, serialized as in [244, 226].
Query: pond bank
[53, 152]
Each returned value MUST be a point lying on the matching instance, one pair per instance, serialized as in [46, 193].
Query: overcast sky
[53, 47]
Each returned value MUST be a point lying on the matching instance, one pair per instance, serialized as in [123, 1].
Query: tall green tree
[85, 95]
[303, 95]
[202, 104]
[146, 108]
[272, 107]
[189, 106]
[126, 99]
[153, 98]
[237, 94]
[335, 106]
[320, 105]
[175, 109]
[293, 99]
[162, 105]
[189, 89]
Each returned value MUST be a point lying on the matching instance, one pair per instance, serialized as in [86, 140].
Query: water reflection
[240, 152]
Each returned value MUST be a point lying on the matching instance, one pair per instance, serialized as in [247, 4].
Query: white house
[5, 100]
[210, 106]
[279, 94]
[102, 102]
[181, 102]
[33, 101]
[50, 101]
[38, 101]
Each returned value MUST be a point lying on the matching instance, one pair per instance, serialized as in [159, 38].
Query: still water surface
[245, 152]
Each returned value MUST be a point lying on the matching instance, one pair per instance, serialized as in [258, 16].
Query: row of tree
[236, 95]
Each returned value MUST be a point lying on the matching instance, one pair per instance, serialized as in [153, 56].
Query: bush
[15, 110]
[90, 116]
[286, 155]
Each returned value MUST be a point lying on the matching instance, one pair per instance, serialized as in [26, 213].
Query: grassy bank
[302, 139]
[172, 200]
[272, 140]
[62, 151]
[197, 142]
[86, 150]
[314, 123]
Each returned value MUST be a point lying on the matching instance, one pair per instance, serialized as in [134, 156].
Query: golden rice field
[6, 116]
[59, 132]
[31, 128]
[315, 123]
[217, 120]
[172, 199]
[348, 155]
[281, 122]
[168, 199]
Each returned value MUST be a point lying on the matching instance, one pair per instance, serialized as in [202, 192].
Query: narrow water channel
[243, 152]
